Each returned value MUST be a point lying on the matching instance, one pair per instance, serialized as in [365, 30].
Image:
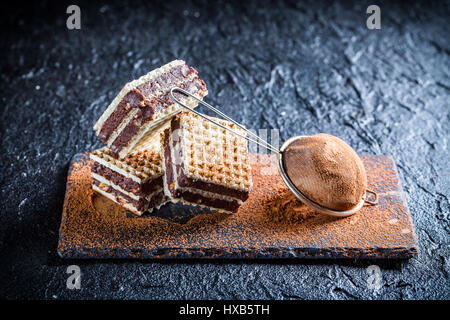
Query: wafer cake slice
[145, 103]
[136, 182]
[204, 164]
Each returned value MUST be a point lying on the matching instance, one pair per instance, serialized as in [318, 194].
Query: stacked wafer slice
[145, 103]
[147, 161]
[135, 182]
[204, 164]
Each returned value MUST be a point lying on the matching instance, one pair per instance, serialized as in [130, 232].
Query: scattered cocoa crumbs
[286, 208]
[95, 227]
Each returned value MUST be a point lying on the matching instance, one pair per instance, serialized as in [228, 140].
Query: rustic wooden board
[94, 227]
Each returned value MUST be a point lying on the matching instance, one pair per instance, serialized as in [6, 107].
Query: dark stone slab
[94, 227]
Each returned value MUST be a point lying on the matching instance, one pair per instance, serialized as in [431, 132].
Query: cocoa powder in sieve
[327, 170]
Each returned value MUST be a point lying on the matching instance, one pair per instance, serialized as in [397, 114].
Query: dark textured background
[384, 91]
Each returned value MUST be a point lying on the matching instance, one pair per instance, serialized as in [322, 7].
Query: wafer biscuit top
[214, 154]
[145, 103]
[140, 166]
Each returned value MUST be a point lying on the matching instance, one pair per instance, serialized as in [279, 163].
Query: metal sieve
[281, 154]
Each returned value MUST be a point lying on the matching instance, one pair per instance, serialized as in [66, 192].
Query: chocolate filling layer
[153, 185]
[142, 92]
[132, 98]
[188, 196]
[157, 199]
[146, 113]
[193, 197]
[140, 205]
[125, 183]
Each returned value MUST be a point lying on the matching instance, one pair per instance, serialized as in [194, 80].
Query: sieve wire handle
[375, 197]
[260, 141]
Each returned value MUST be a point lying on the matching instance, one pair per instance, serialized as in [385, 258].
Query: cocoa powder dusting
[285, 208]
